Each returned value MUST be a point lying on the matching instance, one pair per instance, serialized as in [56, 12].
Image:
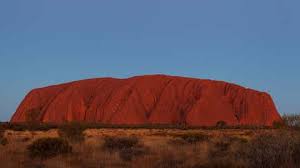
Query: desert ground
[123, 147]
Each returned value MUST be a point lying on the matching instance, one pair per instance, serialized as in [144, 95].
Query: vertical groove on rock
[44, 111]
[157, 100]
[140, 100]
[195, 98]
[106, 101]
[184, 105]
[121, 103]
[91, 98]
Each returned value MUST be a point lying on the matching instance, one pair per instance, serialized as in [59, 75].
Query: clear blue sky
[254, 43]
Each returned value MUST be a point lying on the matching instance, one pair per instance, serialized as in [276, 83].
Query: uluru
[149, 99]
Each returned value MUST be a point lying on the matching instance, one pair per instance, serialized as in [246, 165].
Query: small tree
[291, 120]
[221, 124]
[278, 124]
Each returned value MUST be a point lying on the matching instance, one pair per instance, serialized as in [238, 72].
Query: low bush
[15, 126]
[3, 140]
[119, 143]
[240, 140]
[45, 148]
[41, 127]
[127, 154]
[272, 150]
[194, 138]
[222, 146]
[29, 163]
[220, 149]
[221, 163]
[127, 147]
[72, 131]
[170, 163]
[26, 139]
[296, 153]
[28, 126]
[170, 160]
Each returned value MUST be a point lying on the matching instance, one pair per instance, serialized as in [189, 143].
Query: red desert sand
[150, 99]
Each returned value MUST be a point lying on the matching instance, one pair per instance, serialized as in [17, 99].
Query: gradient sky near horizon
[254, 43]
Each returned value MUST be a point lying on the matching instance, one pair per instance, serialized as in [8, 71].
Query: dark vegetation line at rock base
[84, 125]
[266, 149]
[48, 126]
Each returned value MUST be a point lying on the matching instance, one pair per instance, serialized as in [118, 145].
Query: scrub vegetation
[95, 145]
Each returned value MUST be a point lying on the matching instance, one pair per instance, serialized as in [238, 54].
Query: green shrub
[45, 148]
[278, 124]
[72, 131]
[221, 124]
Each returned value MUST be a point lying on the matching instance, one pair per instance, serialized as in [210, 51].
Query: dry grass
[155, 148]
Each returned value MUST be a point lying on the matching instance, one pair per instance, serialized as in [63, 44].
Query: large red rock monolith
[150, 99]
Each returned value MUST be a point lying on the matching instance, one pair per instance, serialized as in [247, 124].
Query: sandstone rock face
[150, 99]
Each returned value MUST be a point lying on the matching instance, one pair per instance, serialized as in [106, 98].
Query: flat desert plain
[156, 148]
